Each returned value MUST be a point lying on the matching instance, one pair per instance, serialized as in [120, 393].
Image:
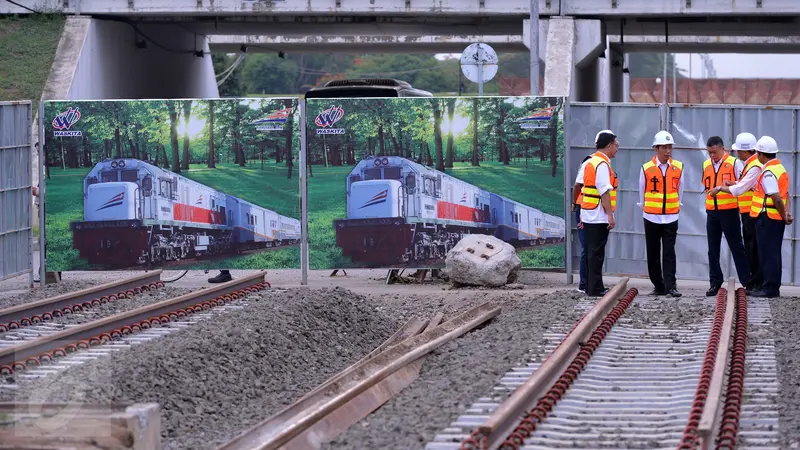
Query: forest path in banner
[269, 187]
[533, 185]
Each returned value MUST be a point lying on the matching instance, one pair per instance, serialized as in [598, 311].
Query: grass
[27, 49]
[269, 188]
[533, 186]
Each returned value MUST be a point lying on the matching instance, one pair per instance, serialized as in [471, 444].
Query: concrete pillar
[616, 87]
[559, 60]
[571, 49]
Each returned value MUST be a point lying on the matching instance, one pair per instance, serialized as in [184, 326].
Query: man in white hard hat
[660, 195]
[745, 147]
[770, 206]
[576, 209]
[722, 214]
[599, 201]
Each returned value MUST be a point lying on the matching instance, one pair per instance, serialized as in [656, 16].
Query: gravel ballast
[461, 371]
[785, 317]
[225, 374]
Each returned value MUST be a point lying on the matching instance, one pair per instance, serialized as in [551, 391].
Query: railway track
[35, 313]
[661, 385]
[32, 358]
[343, 400]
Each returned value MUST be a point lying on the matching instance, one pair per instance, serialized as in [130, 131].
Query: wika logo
[274, 121]
[64, 120]
[113, 201]
[538, 119]
[463, 198]
[199, 200]
[378, 198]
[327, 118]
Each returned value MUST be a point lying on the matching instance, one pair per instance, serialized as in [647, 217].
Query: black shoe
[759, 293]
[657, 292]
[223, 277]
[713, 291]
[601, 293]
[673, 292]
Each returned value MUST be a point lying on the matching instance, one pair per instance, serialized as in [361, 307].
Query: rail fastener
[96, 332]
[711, 417]
[44, 310]
[492, 434]
[318, 407]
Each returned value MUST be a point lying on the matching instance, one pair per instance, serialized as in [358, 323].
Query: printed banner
[172, 184]
[397, 182]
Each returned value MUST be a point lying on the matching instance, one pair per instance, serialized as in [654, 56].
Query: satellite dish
[479, 56]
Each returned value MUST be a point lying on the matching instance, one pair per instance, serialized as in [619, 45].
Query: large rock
[481, 260]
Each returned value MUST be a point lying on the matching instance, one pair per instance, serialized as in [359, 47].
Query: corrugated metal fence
[15, 189]
[635, 126]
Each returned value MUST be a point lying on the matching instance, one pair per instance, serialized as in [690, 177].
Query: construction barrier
[397, 182]
[16, 215]
[178, 184]
[691, 126]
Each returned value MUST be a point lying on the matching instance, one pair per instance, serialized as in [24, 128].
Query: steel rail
[42, 310]
[264, 436]
[155, 312]
[361, 405]
[506, 417]
[710, 418]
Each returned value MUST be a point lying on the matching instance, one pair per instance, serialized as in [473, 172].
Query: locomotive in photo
[399, 211]
[137, 213]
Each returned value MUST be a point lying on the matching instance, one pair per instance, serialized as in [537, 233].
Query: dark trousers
[596, 238]
[770, 240]
[582, 238]
[656, 234]
[751, 248]
[725, 222]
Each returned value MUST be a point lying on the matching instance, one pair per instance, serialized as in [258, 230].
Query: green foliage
[27, 48]
[651, 65]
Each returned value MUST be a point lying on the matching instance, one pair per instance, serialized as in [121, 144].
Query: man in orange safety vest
[771, 206]
[598, 202]
[745, 147]
[722, 213]
[660, 195]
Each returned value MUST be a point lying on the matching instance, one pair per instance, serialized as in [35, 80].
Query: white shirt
[579, 178]
[738, 166]
[748, 182]
[659, 218]
[603, 181]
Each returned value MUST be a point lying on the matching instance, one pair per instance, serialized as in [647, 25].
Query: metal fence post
[304, 254]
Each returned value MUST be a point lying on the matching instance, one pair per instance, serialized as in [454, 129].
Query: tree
[475, 155]
[437, 132]
[651, 65]
[211, 155]
[173, 135]
[187, 112]
[451, 107]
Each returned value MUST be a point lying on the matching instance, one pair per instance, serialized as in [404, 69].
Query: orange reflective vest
[746, 199]
[661, 189]
[589, 194]
[727, 172]
[761, 200]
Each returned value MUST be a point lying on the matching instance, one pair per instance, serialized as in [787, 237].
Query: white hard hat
[597, 138]
[663, 138]
[745, 141]
[767, 145]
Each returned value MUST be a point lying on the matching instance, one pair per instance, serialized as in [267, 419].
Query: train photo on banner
[173, 184]
[399, 211]
[136, 213]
